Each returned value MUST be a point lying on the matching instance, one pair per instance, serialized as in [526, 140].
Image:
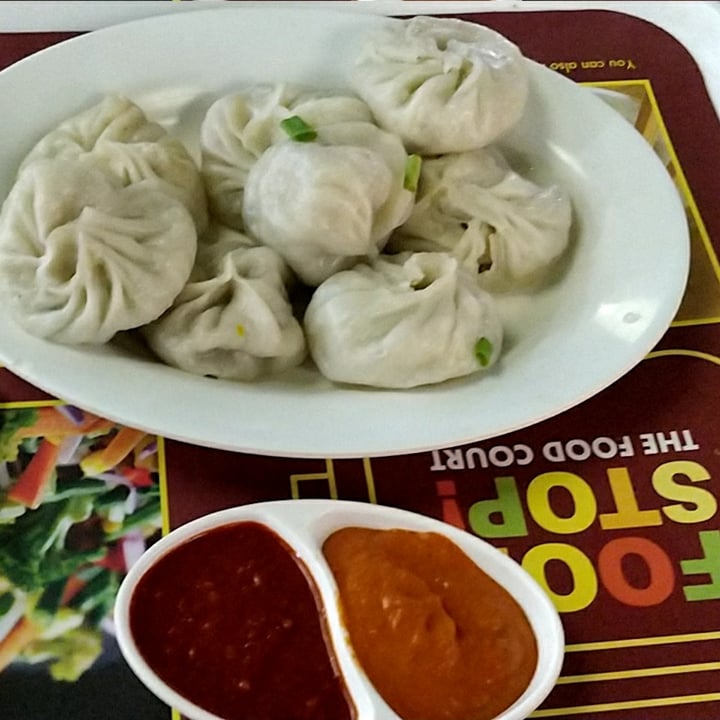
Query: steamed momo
[117, 132]
[444, 85]
[504, 228]
[402, 321]
[113, 119]
[82, 257]
[238, 128]
[233, 319]
[217, 242]
[328, 204]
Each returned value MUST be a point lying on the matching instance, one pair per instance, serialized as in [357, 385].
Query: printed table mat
[611, 506]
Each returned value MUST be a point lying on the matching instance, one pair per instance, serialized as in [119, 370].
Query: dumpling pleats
[83, 257]
[402, 321]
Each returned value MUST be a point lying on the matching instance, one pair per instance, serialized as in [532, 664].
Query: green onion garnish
[483, 351]
[412, 172]
[298, 129]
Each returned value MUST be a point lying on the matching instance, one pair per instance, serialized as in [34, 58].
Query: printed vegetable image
[79, 503]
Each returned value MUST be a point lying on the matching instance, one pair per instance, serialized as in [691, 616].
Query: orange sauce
[438, 638]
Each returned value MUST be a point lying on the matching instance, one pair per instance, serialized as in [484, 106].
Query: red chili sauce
[231, 621]
[438, 638]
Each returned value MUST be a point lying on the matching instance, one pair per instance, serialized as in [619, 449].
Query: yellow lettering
[628, 514]
[694, 504]
[584, 505]
[584, 579]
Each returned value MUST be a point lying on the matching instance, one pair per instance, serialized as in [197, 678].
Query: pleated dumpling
[329, 204]
[216, 243]
[507, 230]
[117, 132]
[239, 127]
[402, 321]
[442, 84]
[233, 319]
[83, 257]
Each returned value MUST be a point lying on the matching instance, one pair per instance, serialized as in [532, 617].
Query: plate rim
[329, 448]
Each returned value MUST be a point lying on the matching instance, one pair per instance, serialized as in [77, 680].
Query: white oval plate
[618, 296]
[304, 525]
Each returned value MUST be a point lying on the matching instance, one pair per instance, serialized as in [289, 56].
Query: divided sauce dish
[304, 526]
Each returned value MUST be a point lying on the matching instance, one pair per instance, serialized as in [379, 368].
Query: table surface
[695, 24]
[625, 660]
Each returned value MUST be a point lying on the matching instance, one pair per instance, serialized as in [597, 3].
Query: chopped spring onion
[297, 129]
[412, 172]
[483, 351]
